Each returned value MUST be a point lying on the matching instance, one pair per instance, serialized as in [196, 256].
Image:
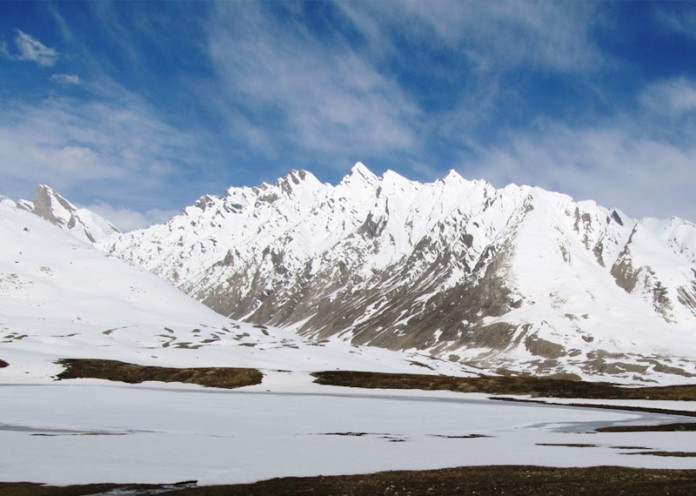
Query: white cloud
[34, 147]
[127, 219]
[33, 50]
[321, 96]
[287, 89]
[674, 96]
[117, 148]
[66, 79]
[641, 176]
[492, 35]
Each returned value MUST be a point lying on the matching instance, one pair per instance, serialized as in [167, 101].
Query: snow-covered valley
[62, 298]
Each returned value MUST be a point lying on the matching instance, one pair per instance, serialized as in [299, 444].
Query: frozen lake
[92, 431]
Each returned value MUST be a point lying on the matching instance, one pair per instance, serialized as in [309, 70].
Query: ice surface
[62, 434]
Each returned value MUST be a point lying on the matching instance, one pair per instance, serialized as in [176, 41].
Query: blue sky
[135, 109]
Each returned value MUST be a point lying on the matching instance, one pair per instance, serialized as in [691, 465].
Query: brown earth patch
[3, 364]
[569, 445]
[647, 409]
[354, 434]
[629, 447]
[520, 385]
[463, 436]
[679, 454]
[113, 370]
[543, 348]
[482, 481]
[676, 427]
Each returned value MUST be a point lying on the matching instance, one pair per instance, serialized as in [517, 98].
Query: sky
[135, 109]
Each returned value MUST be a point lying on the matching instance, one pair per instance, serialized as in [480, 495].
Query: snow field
[82, 433]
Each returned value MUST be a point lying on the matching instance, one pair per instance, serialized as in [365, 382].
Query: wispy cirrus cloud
[118, 149]
[607, 163]
[33, 50]
[339, 93]
[677, 17]
[127, 219]
[675, 97]
[297, 89]
[66, 79]
[494, 35]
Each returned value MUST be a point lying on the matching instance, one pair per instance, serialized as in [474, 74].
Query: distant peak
[361, 172]
[394, 178]
[50, 205]
[360, 168]
[298, 180]
[453, 175]
[299, 176]
[44, 191]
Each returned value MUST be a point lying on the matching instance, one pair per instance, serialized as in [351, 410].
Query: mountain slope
[518, 277]
[62, 298]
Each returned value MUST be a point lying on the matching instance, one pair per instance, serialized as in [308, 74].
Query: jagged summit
[517, 277]
[81, 223]
[359, 174]
[360, 168]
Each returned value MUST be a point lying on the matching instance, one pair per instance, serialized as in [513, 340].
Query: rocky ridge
[80, 222]
[516, 278]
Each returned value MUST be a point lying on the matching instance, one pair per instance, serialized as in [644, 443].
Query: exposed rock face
[454, 267]
[81, 223]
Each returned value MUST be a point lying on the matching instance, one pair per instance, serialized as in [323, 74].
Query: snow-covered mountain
[62, 298]
[80, 222]
[518, 278]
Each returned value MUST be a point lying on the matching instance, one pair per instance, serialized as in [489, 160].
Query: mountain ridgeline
[80, 222]
[516, 278]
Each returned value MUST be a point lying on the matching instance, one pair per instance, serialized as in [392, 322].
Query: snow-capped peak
[299, 183]
[453, 177]
[80, 222]
[360, 173]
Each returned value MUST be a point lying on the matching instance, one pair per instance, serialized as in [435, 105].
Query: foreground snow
[91, 431]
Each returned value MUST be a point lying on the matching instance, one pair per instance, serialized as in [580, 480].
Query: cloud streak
[127, 219]
[498, 35]
[675, 97]
[66, 79]
[117, 149]
[642, 176]
[33, 50]
[321, 97]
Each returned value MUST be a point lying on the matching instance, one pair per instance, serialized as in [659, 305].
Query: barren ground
[482, 481]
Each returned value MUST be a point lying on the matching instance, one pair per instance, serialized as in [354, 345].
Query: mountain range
[62, 298]
[513, 279]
